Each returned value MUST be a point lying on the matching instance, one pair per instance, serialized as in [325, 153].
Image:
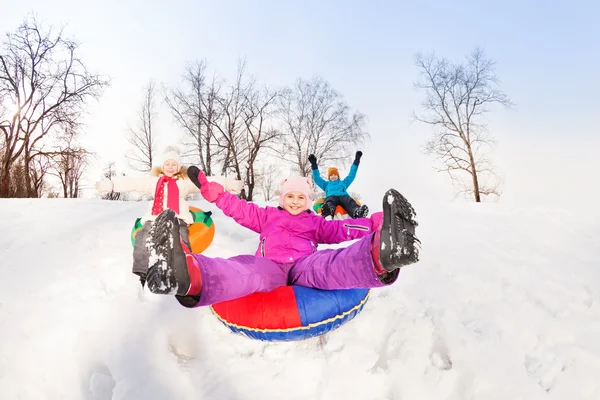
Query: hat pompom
[170, 153]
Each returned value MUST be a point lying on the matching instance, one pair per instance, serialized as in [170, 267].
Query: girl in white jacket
[169, 184]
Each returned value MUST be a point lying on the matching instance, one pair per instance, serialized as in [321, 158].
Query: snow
[504, 304]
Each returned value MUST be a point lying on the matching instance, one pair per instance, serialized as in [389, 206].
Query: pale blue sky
[547, 53]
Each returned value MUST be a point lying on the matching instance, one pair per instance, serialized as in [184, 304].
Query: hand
[357, 158]
[313, 161]
[211, 191]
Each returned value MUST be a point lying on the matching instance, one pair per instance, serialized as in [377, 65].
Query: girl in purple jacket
[287, 253]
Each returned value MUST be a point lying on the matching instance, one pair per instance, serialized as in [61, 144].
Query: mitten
[211, 191]
[313, 161]
[357, 158]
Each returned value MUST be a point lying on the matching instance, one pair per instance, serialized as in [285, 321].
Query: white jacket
[147, 185]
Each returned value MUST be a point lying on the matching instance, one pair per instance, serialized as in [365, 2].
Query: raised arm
[229, 184]
[338, 231]
[249, 215]
[320, 182]
[189, 186]
[140, 184]
[244, 213]
[350, 178]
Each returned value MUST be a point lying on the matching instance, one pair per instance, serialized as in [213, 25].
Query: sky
[547, 55]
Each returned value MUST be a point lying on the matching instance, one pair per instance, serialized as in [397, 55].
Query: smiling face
[295, 202]
[333, 177]
[170, 168]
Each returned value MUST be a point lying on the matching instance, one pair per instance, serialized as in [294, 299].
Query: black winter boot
[140, 252]
[361, 212]
[326, 211]
[167, 264]
[398, 245]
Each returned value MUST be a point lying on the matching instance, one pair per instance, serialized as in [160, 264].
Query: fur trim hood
[157, 171]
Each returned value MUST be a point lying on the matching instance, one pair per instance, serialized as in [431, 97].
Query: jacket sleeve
[229, 184]
[189, 187]
[338, 231]
[247, 214]
[320, 182]
[142, 184]
[350, 178]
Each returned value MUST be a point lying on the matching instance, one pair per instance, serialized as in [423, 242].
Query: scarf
[172, 193]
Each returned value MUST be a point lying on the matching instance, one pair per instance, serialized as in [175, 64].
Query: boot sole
[163, 243]
[364, 213]
[398, 246]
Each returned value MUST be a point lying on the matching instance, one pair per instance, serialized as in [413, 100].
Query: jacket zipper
[312, 245]
[262, 247]
[358, 227]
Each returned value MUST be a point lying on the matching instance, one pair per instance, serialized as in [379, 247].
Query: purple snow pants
[230, 278]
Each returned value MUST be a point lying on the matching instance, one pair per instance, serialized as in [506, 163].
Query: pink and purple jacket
[285, 238]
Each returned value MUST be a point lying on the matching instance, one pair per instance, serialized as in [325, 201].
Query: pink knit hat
[296, 184]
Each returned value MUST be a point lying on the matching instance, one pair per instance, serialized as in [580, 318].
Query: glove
[313, 161]
[211, 191]
[357, 158]
[104, 185]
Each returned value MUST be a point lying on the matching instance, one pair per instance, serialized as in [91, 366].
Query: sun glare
[13, 110]
[10, 110]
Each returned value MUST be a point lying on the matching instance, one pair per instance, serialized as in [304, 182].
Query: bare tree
[18, 187]
[69, 163]
[267, 178]
[110, 172]
[143, 137]
[70, 169]
[229, 129]
[43, 85]
[244, 128]
[195, 110]
[458, 96]
[229, 126]
[259, 131]
[38, 170]
[40, 167]
[316, 120]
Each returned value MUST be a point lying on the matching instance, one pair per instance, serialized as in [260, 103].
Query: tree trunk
[208, 157]
[29, 187]
[474, 176]
[250, 182]
[239, 176]
[250, 191]
[65, 190]
[5, 181]
[208, 141]
[476, 188]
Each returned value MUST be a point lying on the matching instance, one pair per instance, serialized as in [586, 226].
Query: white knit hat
[170, 153]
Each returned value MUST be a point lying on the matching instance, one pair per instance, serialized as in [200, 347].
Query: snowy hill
[505, 304]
